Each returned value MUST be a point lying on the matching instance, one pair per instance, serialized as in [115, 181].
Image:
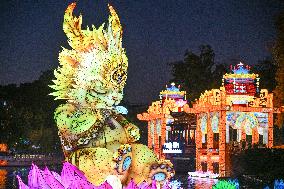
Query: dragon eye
[118, 76]
[119, 79]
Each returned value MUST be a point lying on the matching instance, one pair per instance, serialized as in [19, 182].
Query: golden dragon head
[94, 72]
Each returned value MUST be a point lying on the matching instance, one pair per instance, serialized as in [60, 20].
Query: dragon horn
[72, 27]
[114, 22]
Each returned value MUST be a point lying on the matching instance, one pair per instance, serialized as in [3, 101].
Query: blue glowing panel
[215, 123]
[126, 163]
[203, 138]
[203, 123]
[227, 134]
[265, 136]
[158, 127]
[159, 176]
[121, 110]
[238, 120]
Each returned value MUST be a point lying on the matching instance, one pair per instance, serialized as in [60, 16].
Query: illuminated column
[255, 135]
[209, 143]
[270, 129]
[228, 134]
[153, 137]
[167, 136]
[222, 144]
[244, 136]
[149, 135]
[163, 136]
[265, 136]
[239, 135]
[186, 134]
[156, 139]
[198, 142]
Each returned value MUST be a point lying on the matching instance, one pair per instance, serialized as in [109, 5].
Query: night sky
[156, 32]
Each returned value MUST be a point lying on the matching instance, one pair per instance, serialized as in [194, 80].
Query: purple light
[72, 178]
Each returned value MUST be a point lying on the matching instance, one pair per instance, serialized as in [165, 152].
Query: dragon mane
[94, 72]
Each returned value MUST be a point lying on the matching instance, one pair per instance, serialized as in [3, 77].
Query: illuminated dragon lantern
[95, 136]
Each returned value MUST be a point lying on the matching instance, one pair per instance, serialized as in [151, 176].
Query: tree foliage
[266, 69]
[198, 72]
[26, 114]
[261, 162]
[278, 54]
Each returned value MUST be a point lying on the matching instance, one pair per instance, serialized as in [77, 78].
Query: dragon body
[90, 78]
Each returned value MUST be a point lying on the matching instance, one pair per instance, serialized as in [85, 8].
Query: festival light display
[95, 137]
[158, 115]
[201, 183]
[231, 184]
[72, 178]
[172, 148]
[241, 81]
[232, 117]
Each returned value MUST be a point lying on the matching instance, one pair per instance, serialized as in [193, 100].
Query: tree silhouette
[26, 113]
[278, 54]
[198, 72]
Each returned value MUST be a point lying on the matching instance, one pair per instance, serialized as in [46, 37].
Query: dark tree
[266, 69]
[278, 55]
[198, 72]
[27, 116]
[219, 71]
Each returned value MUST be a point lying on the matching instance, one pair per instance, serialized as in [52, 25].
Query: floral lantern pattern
[203, 124]
[246, 120]
[152, 126]
[158, 124]
[215, 123]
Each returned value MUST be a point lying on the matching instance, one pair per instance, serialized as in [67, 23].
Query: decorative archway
[246, 121]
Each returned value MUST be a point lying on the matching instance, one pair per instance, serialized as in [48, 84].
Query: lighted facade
[160, 132]
[236, 116]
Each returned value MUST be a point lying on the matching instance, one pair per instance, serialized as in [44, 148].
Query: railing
[26, 157]
[205, 151]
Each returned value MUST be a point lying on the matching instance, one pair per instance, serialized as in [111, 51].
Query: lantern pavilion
[236, 116]
[170, 129]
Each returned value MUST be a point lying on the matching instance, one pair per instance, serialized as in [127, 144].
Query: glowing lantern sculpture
[95, 137]
[3, 148]
[231, 118]
[159, 117]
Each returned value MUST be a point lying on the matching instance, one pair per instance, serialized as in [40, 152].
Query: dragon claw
[163, 170]
[123, 158]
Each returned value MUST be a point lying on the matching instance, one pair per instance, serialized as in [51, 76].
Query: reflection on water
[3, 162]
[8, 178]
[194, 183]
[201, 183]
[3, 178]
